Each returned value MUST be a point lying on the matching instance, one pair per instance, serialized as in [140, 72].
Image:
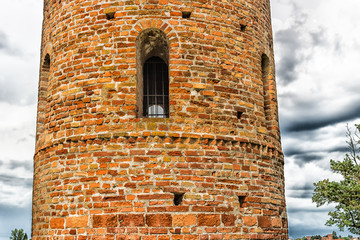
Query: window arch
[265, 75]
[156, 88]
[152, 61]
[42, 94]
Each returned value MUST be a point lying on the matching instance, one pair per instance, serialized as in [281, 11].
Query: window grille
[156, 88]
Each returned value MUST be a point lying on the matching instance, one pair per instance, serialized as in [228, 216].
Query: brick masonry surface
[212, 170]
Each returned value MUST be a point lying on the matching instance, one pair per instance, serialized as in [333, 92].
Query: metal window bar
[156, 88]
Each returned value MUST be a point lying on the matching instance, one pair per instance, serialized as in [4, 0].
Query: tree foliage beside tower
[18, 234]
[345, 193]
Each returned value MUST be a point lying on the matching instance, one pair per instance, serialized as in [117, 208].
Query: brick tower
[157, 119]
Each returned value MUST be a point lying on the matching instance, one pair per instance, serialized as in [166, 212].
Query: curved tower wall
[212, 170]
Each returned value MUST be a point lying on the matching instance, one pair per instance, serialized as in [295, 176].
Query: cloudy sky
[317, 48]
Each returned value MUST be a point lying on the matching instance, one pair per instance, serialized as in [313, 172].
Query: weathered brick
[131, 220]
[77, 222]
[228, 219]
[264, 221]
[57, 223]
[184, 220]
[159, 220]
[249, 220]
[104, 221]
[208, 219]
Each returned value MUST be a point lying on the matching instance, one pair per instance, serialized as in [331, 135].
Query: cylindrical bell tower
[157, 119]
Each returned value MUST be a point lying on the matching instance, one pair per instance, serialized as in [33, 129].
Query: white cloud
[17, 129]
[19, 59]
[11, 195]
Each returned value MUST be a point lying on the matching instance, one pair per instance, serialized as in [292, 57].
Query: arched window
[265, 74]
[152, 61]
[156, 88]
[42, 95]
[46, 65]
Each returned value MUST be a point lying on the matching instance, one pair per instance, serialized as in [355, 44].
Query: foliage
[315, 237]
[334, 235]
[18, 235]
[345, 193]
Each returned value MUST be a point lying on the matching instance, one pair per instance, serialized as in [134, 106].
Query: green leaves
[344, 193]
[18, 235]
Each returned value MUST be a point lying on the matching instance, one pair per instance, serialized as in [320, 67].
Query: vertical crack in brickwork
[265, 74]
[42, 95]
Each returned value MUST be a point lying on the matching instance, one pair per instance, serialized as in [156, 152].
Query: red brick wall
[101, 172]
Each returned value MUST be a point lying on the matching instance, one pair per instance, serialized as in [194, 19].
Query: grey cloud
[338, 45]
[303, 186]
[15, 92]
[16, 181]
[318, 37]
[304, 156]
[303, 194]
[6, 47]
[302, 159]
[312, 210]
[3, 41]
[292, 43]
[343, 149]
[289, 44]
[27, 164]
[299, 154]
[301, 190]
[319, 121]
[13, 164]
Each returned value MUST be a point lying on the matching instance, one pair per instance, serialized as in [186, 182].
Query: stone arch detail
[154, 38]
[265, 73]
[157, 24]
[45, 67]
[269, 94]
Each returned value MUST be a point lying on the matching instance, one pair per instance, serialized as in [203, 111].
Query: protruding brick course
[103, 171]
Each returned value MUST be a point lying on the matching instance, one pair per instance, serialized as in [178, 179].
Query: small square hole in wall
[241, 200]
[110, 15]
[242, 27]
[186, 14]
[178, 198]
[239, 114]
